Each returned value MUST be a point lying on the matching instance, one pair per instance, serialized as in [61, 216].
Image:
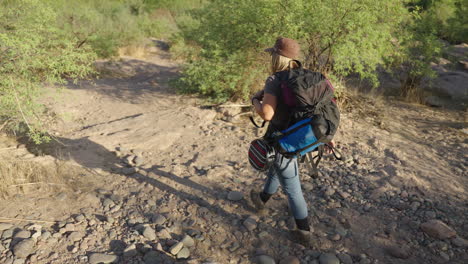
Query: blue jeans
[286, 172]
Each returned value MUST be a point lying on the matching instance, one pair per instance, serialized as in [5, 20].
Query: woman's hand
[328, 148]
[259, 95]
[266, 108]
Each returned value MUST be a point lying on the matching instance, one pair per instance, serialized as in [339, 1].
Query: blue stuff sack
[302, 137]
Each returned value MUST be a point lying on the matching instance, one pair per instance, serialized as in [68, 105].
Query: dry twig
[33, 183]
[7, 219]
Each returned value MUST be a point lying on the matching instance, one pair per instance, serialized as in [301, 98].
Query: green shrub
[457, 25]
[51, 41]
[105, 25]
[33, 50]
[447, 17]
[337, 37]
[421, 46]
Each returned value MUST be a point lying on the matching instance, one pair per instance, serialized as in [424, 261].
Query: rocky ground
[163, 180]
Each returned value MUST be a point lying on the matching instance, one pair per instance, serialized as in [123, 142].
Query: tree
[337, 36]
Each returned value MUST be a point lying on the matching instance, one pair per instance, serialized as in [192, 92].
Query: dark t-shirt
[281, 117]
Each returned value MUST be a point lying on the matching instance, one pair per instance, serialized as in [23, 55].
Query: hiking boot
[258, 203]
[303, 237]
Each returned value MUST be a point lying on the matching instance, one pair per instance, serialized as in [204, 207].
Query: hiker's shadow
[92, 155]
[102, 160]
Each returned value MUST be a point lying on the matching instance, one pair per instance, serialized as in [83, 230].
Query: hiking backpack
[314, 116]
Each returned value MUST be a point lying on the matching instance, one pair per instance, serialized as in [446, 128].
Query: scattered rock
[176, 248]
[130, 251]
[75, 236]
[158, 219]
[398, 252]
[335, 237]
[138, 160]
[345, 258]
[290, 260]
[98, 258]
[184, 253]
[164, 234]
[128, 171]
[24, 248]
[329, 191]
[152, 257]
[159, 247]
[444, 256]
[7, 233]
[235, 196]
[188, 241]
[5, 226]
[460, 242]
[22, 234]
[264, 259]
[80, 218]
[438, 229]
[250, 223]
[149, 233]
[328, 258]
[107, 202]
[430, 214]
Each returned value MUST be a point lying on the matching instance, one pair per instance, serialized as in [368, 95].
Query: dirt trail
[159, 170]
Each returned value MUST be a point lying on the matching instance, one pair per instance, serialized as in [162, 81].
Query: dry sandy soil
[146, 169]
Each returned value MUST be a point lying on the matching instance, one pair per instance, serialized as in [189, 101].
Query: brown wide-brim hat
[285, 47]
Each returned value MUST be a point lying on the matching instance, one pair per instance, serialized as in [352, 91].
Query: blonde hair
[281, 63]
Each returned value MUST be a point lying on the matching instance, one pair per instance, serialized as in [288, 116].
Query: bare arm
[266, 108]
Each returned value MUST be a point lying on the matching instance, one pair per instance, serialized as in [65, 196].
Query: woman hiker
[284, 171]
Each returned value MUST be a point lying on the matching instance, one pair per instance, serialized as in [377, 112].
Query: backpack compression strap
[313, 161]
[255, 124]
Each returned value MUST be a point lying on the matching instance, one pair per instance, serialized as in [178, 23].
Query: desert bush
[34, 50]
[106, 25]
[447, 17]
[421, 46]
[337, 37]
[457, 25]
[53, 41]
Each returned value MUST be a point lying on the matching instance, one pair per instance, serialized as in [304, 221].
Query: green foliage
[421, 47]
[51, 41]
[105, 25]
[33, 50]
[174, 6]
[447, 17]
[337, 37]
[457, 25]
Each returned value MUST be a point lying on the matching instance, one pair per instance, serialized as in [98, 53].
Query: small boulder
[152, 257]
[22, 234]
[250, 224]
[438, 229]
[176, 248]
[130, 251]
[398, 252]
[5, 226]
[328, 258]
[24, 248]
[188, 241]
[460, 242]
[149, 233]
[158, 219]
[184, 253]
[264, 259]
[98, 258]
[290, 260]
[235, 196]
[75, 236]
